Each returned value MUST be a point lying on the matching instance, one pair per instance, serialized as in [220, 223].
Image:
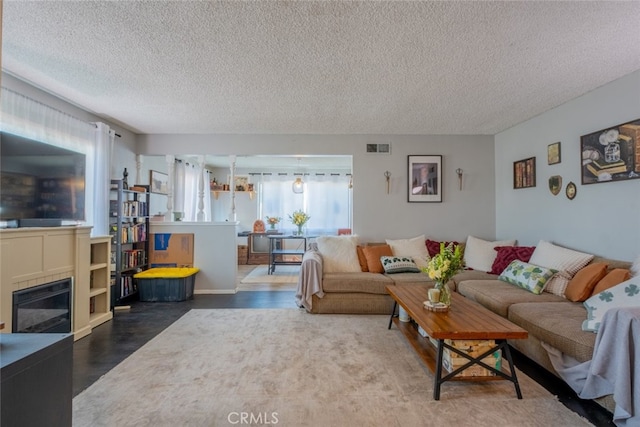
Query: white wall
[604, 218]
[378, 215]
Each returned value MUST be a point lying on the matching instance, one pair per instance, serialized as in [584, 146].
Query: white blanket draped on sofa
[612, 369]
[310, 279]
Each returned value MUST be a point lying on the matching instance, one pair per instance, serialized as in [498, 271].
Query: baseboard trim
[215, 291]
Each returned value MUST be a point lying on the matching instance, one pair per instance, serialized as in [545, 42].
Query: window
[326, 199]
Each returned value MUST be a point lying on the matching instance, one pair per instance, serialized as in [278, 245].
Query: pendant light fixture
[298, 184]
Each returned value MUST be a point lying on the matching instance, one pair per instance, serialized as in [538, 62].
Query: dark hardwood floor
[113, 341]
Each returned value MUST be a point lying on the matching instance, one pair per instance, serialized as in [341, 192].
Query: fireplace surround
[45, 308]
[31, 257]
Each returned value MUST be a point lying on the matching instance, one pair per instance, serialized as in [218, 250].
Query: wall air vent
[379, 148]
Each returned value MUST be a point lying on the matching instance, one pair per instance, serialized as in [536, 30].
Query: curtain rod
[298, 173]
[54, 109]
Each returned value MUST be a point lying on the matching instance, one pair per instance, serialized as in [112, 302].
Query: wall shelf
[216, 193]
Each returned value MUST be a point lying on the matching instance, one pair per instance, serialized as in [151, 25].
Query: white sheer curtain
[32, 119]
[186, 191]
[326, 199]
[104, 142]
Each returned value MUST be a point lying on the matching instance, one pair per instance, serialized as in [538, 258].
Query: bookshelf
[99, 281]
[129, 230]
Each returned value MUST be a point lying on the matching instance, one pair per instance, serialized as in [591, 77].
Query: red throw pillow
[433, 247]
[506, 254]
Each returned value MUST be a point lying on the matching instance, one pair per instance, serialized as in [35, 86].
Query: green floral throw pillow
[527, 276]
[626, 294]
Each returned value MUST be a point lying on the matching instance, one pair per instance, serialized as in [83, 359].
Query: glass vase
[445, 293]
[300, 230]
[273, 226]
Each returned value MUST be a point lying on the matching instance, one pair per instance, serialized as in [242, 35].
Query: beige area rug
[290, 368]
[284, 278]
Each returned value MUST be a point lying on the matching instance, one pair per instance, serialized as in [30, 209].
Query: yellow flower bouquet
[442, 267]
[299, 218]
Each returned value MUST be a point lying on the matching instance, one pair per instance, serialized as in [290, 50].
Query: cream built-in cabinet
[39, 255]
[100, 281]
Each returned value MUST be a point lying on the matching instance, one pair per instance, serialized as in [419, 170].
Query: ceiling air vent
[379, 148]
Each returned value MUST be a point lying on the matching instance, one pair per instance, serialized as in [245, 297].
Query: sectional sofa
[548, 317]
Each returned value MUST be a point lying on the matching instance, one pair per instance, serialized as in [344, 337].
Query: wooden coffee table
[465, 320]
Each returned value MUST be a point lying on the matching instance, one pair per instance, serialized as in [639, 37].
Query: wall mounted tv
[40, 184]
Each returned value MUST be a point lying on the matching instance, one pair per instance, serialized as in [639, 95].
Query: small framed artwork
[611, 154]
[159, 182]
[524, 173]
[553, 153]
[425, 179]
[571, 191]
[555, 184]
[240, 182]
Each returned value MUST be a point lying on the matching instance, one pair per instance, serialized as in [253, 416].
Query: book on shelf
[138, 189]
[135, 208]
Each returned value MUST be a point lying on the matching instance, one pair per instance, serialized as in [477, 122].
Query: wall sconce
[459, 172]
[387, 176]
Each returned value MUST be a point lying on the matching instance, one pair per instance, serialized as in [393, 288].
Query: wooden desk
[465, 320]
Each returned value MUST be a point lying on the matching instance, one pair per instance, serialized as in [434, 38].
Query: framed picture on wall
[159, 182]
[553, 153]
[240, 182]
[524, 173]
[611, 154]
[425, 179]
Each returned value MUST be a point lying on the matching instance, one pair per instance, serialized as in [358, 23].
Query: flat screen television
[40, 184]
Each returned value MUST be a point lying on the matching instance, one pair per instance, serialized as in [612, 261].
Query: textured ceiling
[320, 67]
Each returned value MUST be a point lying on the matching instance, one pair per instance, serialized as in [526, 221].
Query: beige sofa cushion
[497, 296]
[612, 263]
[411, 279]
[371, 283]
[558, 324]
[473, 275]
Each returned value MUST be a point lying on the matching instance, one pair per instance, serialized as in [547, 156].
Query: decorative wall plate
[555, 184]
[571, 191]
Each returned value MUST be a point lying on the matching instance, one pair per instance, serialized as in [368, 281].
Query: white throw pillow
[626, 294]
[415, 248]
[566, 261]
[479, 254]
[339, 254]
